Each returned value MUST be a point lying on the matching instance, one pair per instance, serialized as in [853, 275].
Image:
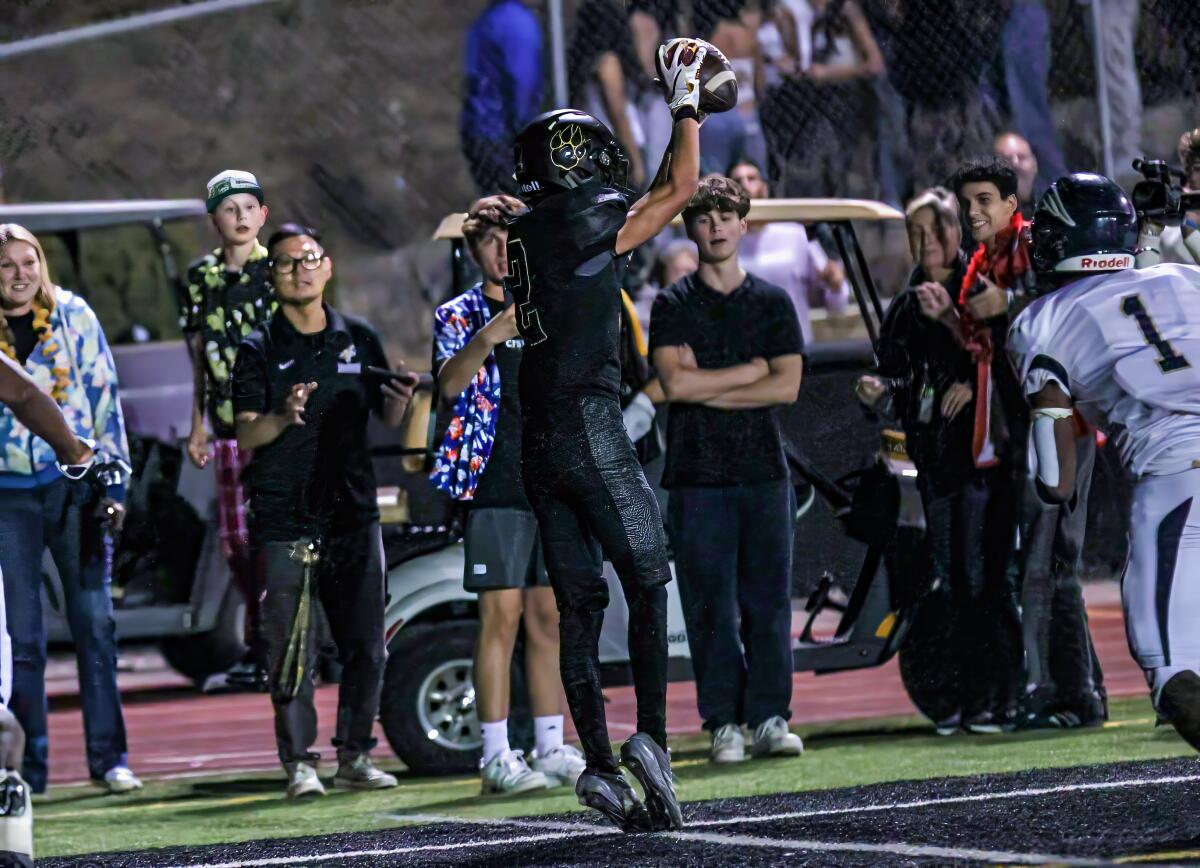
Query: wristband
[686, 111]
[1189, 223]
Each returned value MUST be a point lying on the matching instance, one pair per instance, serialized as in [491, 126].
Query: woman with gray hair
[924, 381]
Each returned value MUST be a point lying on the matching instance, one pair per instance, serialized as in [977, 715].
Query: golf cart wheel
[428, 706]
[199, 655]
[928, 658]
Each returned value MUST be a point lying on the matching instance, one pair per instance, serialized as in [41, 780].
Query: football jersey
[563, 277]
[1126, 347]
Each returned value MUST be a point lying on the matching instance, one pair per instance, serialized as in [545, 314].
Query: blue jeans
[59, 516]
[733, 560]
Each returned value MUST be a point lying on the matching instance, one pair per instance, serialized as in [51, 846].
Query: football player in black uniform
[581, 474]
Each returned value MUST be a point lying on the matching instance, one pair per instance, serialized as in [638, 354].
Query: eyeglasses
[287, 265]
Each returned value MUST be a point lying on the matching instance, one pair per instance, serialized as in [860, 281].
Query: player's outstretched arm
[679, 175]
[651, 213]
[1054, 443]
[38, 412]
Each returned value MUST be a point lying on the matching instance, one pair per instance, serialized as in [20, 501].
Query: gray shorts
[503, 550]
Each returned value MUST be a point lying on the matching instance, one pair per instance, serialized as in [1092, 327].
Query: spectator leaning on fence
[781, 253]
[56, 337]
[504, 86]
[229, 295]
[728, 349]
[302, 399]
[477, 357]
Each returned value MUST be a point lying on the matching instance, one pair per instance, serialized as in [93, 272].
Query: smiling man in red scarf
[987, 510]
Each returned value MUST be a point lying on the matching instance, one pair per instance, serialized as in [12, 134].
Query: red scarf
[1004, 268]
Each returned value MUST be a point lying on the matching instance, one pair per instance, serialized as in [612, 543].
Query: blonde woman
[56, 338]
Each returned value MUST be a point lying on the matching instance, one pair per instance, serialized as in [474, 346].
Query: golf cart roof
[67, 216]
[767, 210]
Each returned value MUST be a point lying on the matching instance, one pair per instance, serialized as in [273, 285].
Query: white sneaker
[773, 738]
[508, 773]
[361, 774]
[303, 781]
[728, 744]
[562, 765]
[119, 779]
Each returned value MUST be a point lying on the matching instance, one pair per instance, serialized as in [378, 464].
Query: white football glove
[681, 81]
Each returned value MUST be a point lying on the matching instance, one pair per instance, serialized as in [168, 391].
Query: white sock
[549, 733]
[495, 739]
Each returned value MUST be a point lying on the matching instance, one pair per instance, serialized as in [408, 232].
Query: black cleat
[652, 767]
[1180, 702]
[610, 794]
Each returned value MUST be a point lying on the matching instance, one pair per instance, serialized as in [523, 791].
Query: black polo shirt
[316, 478]
[707, 446]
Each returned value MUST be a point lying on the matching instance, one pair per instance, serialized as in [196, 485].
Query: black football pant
[1060, 663]
[348, 585]
[592, 502]
[971, 528]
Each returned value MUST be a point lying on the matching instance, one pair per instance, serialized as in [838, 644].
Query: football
[718, 83]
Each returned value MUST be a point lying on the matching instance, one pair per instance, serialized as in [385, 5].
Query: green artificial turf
[231, 808]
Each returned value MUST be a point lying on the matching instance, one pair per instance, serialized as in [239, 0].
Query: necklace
[45, 336]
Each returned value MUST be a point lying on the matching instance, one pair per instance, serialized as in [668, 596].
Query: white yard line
[952, 800]
[958, 853]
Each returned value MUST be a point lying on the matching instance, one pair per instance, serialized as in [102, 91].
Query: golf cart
[867, 516]
[170, 582]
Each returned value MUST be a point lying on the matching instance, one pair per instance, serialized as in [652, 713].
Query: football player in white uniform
[1122, 346]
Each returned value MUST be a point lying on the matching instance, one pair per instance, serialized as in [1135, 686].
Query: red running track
[180, 732]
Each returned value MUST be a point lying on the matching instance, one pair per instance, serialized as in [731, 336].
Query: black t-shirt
[24, 337]
[501, 484]
[314, 478]
[563, 275]
[707, 446]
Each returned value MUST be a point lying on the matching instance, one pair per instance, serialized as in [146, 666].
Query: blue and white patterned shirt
[467, 444]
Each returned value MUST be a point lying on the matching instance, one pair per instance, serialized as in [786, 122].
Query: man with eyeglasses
[229, 295]
[304, 388]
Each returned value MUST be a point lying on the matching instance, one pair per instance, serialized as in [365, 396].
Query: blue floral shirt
[91, 406]
[467, 444]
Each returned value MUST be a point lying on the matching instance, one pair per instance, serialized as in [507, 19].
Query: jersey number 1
[522, 290]
[1168, 359]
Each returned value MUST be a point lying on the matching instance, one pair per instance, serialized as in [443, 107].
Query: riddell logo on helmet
[1096, 262]
[1101, 263]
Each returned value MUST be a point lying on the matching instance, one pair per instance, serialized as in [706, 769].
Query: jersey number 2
[1168, 359]
[522, 290]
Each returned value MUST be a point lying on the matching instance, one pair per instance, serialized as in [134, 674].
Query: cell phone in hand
[377, 378]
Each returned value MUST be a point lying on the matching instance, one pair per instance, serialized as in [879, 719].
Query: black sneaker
[610, 794]
[652, 767]
[1180, 702]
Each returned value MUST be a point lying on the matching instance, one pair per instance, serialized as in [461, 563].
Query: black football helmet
[559, 150]
[1083, 223]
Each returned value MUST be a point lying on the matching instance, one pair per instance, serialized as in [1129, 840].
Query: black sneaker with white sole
[610, 794]
[650, 764]
[1180, 703]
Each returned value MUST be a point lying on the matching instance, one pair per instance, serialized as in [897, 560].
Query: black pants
[591, 497]
[1060, 662]
[349, 586]
[733, 559]
[972, 529]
